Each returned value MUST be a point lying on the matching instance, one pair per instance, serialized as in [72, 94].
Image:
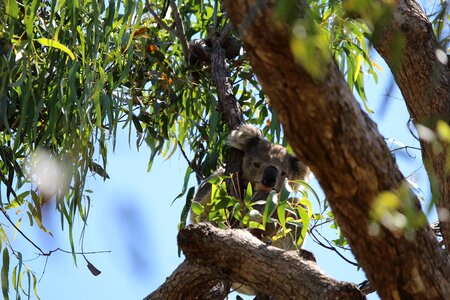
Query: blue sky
[132, 216]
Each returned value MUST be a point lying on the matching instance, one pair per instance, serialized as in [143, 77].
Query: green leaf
[248, 195]
[186, 208]
[187, 174]
[18, 276]
[236, 212]
[17, 225]
[35, 286]
[285, 191]
[281, 209]
[14, 278]
[5, 271]
[269, 208]
[307, 206]
[305, 217]
[55, 44]
[12, 9]
[197, 208]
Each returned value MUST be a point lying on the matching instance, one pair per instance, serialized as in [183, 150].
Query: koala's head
[265, 165]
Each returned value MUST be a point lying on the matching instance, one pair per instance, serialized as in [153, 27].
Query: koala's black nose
[270, 176]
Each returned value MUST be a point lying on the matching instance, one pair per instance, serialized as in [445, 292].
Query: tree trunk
[425, 85]
[328, 130]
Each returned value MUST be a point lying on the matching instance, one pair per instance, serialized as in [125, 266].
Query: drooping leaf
[5, 274]
[57, 45]
[92, 268]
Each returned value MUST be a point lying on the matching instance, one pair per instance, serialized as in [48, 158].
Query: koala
[265, 165]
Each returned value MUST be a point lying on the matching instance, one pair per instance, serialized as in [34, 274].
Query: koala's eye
[256, 164]
[283, 174]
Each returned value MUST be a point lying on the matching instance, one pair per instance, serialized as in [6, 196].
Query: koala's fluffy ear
[244, 136]
[298, 168]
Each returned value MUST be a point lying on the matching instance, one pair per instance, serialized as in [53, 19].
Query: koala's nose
[270, 176]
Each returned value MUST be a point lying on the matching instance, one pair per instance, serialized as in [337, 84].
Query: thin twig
[411, 131]
[416, 170]
[42, 252]
[406, 148]
[194, 166]
[20, 231]
[76, 253]
[45, 268]
[330, 247]
[225, 33]
[157, 18]
[180, 30]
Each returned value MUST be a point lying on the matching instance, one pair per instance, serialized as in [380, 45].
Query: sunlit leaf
[269, 208]
[384, 203]
[57, 45]
[197, 207]
[443, 130]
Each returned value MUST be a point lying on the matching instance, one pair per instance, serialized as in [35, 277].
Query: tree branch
[188, 281]
[237, 256]
[157, 18]
[179, 29]
[228, 104]
[181, 34]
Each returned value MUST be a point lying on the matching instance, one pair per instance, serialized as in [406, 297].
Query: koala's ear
[245, 136]
[298, 168]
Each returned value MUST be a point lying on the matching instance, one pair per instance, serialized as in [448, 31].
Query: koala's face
[265, 165]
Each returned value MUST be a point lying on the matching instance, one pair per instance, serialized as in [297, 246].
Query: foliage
[63, 66]
[285, 215]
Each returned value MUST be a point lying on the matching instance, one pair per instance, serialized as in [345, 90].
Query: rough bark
[227, 104]
[189, 281]
[328, 130]
[237, 256]
[229, 108]
[425, 86]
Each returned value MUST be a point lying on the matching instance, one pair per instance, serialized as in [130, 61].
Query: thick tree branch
[235, 255]
[241, 257]
[328, 130]
[425, 85]
[189, 281]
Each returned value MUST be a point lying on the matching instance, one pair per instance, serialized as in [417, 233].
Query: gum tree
[72, 73]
